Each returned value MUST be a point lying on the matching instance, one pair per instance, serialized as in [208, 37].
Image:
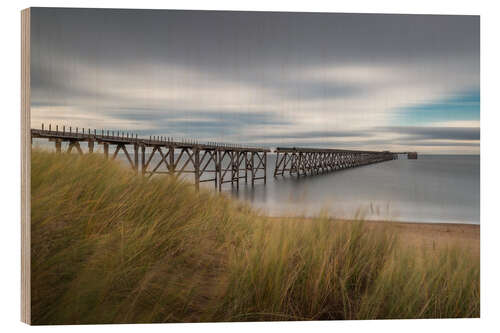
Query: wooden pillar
[253, 170]
[106, 150]
[265, 168]
[238, 160]
[276, 164]
[214, 158]
[246, 167]
[298, 164]
[197, 168]
[219, 168]
[286, 160]
[171, 166]
[78, 148]
[143, 159]
[232, 167]
[316, 162]
[91, 146]
[136, 157]
[76, 145]
[58, 146]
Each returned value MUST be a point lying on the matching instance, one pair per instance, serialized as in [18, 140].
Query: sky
[347, 81]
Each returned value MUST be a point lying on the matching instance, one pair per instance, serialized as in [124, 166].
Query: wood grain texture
[25, 167]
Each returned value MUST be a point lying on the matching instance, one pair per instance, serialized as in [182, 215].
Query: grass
[111, 247]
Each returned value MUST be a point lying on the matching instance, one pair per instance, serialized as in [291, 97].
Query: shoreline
[274, 217]
[425, 235]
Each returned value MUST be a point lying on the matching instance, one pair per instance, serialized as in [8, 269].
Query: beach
[421, 235]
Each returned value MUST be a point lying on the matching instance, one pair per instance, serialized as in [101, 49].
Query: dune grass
[111, 247]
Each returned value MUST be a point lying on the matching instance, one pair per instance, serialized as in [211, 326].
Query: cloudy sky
[358, 81]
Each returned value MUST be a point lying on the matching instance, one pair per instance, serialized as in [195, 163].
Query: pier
[208, 162]
[411, 155]
[219, 163]
[307, 161]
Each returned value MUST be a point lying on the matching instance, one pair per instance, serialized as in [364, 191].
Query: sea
[432, 188]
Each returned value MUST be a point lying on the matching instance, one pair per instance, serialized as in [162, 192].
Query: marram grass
[111, 247]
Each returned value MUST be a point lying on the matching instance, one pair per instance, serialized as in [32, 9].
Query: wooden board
[25, 168]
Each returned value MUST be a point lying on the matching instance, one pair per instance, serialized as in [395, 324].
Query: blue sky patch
[461, 107]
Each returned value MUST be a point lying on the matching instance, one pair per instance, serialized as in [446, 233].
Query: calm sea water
[433, 188]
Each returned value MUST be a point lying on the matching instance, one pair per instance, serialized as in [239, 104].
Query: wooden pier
[411, 155]
[207, 162]
[308, 161]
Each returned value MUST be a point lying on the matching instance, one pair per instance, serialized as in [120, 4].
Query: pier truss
[307, 161]
[207, 162]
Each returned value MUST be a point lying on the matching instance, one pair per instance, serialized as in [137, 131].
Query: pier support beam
[196, 152]
[143, 159]
[58, 145]
[136, 157]
[246, 167]
[219, 169]
[412, 156]
[76, 145]
[171, 163]
[265, 168]
[106, 150]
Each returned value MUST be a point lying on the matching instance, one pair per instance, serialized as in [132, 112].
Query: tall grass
[111, 247]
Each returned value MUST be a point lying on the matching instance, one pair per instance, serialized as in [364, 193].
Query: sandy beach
[427, 235]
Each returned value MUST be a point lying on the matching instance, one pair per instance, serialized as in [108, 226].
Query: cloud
[271, 78]
[443, 133]
[316, 134]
